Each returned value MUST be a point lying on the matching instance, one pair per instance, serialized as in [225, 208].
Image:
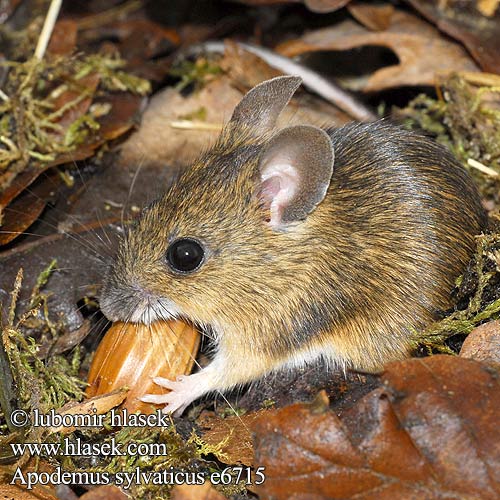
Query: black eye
[185, 255]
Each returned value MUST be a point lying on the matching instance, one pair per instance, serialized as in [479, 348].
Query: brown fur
[372, 262]
[300, 263]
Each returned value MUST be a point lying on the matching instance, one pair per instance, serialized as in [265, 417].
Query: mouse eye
[185, 255]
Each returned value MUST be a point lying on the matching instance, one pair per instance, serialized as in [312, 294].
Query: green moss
[465, 118]
[41, 384]
[197, 72]
[31, 130]
[482, 302]
[28, 382]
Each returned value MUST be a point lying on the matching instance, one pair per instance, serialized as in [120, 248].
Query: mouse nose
[119, 301]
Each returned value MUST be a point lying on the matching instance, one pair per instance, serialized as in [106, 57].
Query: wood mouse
[298, 244]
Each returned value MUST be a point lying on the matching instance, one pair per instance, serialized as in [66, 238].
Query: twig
[48, 28]
[482, 168]
[312, 80]
[196, 125]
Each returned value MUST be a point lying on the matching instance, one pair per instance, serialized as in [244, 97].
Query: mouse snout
[131, 302]
[119, 301]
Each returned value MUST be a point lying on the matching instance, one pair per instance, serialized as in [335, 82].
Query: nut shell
[132, 354]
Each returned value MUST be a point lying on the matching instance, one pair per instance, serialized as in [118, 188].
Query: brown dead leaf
[234, 431]
[431, 432]
[97, 405]
[376, 17]
[26, 179]
[465, 21]
[196, 492]
[11, 492]
[143, 42]
[422, 51]
[483, 343]
[160, 140]
[63, 38]
[20, 492]
[26, 208]
[85, 86]
[245, 69]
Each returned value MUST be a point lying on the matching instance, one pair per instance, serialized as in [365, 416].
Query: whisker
[66, 214]
[87, 244]
[85, 185]
[131, 188]
[30, 245]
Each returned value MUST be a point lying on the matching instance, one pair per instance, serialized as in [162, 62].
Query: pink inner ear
[279, 185]
[269, 190]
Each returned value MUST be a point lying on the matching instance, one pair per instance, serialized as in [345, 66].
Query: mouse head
[227, 239]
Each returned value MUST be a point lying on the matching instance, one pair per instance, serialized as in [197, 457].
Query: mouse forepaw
[183, 391]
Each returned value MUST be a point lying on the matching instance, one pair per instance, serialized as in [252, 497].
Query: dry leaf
[376, 17]
[26, 208]
[15, 194]
[63, 38]
[422, 51]
[245, 69]
[142, 42]
[159, 142]
[11, 492]
[98, 405]
[431, 432]
[462, 21]
[131, 355]
[234, 431]
[19, 491]
[483, 343]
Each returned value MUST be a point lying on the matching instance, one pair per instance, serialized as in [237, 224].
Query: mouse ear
[260, 107]
[295, 166]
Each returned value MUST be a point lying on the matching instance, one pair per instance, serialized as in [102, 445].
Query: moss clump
[477, 298]
[196, 73]
[29, 382]
[40, 384]
[466, 119]
[45, 110]
[187, 457]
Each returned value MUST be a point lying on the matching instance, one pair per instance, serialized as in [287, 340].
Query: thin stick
[482, 168]
[48, 27]
[311, 79]
[196, 125]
